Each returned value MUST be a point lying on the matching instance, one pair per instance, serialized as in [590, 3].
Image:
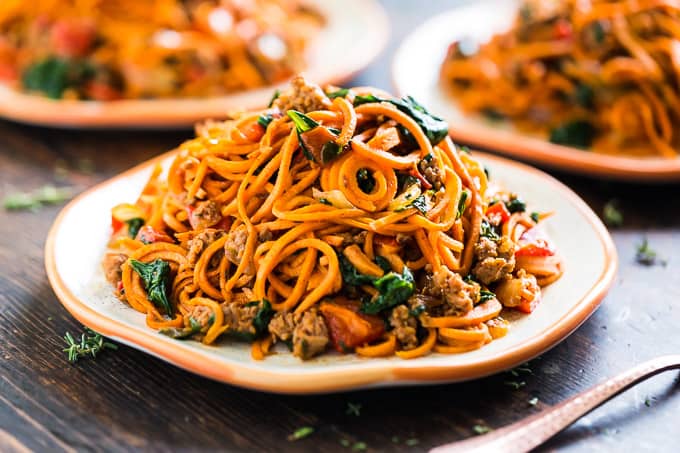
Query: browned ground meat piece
[201, 314]
[495, 259]
[239, 318]
[282, 325]
[353, 237]
[310, 336]
[112, 267]
[236, 243]
[404, 326]
[200, 242]
[459, 295]
[303, 97]
[206, 214]
[431, 172]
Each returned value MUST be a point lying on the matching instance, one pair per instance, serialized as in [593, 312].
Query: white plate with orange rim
[78, 238]
[355, 32]
[415, 72]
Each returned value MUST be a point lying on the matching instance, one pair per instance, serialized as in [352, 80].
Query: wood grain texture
[127, 400]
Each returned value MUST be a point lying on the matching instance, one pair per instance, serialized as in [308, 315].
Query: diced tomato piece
[538, 248]
[419, 176]
[390, 241]
[224, 223]
[148, 235]
[72, 38]
[498, 213]
[563, 29]
[116, 225]
[100, 91]
[119, 287]
[348, 328]
[527, 306]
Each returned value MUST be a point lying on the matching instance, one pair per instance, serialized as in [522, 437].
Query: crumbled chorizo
[310, 336]
[205, 215]
[112, 267]
[201, 242]
[459, 295]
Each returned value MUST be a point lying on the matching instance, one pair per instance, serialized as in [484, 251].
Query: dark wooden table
[127, 400]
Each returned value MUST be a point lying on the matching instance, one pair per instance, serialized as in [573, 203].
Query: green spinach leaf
[394, 289]
[579, 134]
[134, 225]
[156, 277]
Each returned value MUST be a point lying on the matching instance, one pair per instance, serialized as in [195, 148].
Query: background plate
[78, 238]
[355, 33]
[415, 71]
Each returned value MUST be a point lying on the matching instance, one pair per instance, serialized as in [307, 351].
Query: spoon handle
[533, 431]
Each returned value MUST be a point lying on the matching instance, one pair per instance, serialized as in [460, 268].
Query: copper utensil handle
[531, 432]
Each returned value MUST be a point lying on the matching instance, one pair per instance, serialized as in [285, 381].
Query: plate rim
[515, 144]
[168, 113]
[395, 373]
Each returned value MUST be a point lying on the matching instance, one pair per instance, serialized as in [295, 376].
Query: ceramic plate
[415, 72]
[355, 32]
[78, 238]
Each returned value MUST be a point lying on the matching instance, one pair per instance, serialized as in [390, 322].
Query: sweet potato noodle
[343, 218]
[110, 49]
[594, 74]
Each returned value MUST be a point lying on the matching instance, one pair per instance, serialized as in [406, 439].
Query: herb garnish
[412, 442]
[365, 180]
[612, 215]
[90, 344]
[647, 256]
[515, 385]
[301, 433]
[485, 295]
[533, 401]
[33, 201]
[516, 205]
[488, 231]
[52, 76]
[359, 446]
[353, 409]
[186, 332]
[461, 203]
[535, 216]
[155, 276]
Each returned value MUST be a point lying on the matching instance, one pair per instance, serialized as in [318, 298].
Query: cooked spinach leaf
[156, 276]
[461, 203]
[185, 332]
[584, 95]
[394, 289]
[265, 119]
[485, 295]
[423, 202]
[516, 205]
[341, 93]
[578, 133]
[383, 263]
[134, 225]
[53, 75]
[365, 180]
[330, 151]
[434, 128]
[302, 122]
[350, 274]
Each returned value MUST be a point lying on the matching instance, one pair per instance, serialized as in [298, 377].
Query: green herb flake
[489, 231]
[485, 295]
[395, 439]
[341, 93]
[536, 217]
[648, 402]
[90, 344]
[156, 276]
[612, 215]
[345, 443]
[584, 96]
[302, 122]
[325, 201]
[46, 195]
[301, 433]
[365, 180]
[329, 151]
[353, 409]
[533, 401]
[481, 429]
[411, 442]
